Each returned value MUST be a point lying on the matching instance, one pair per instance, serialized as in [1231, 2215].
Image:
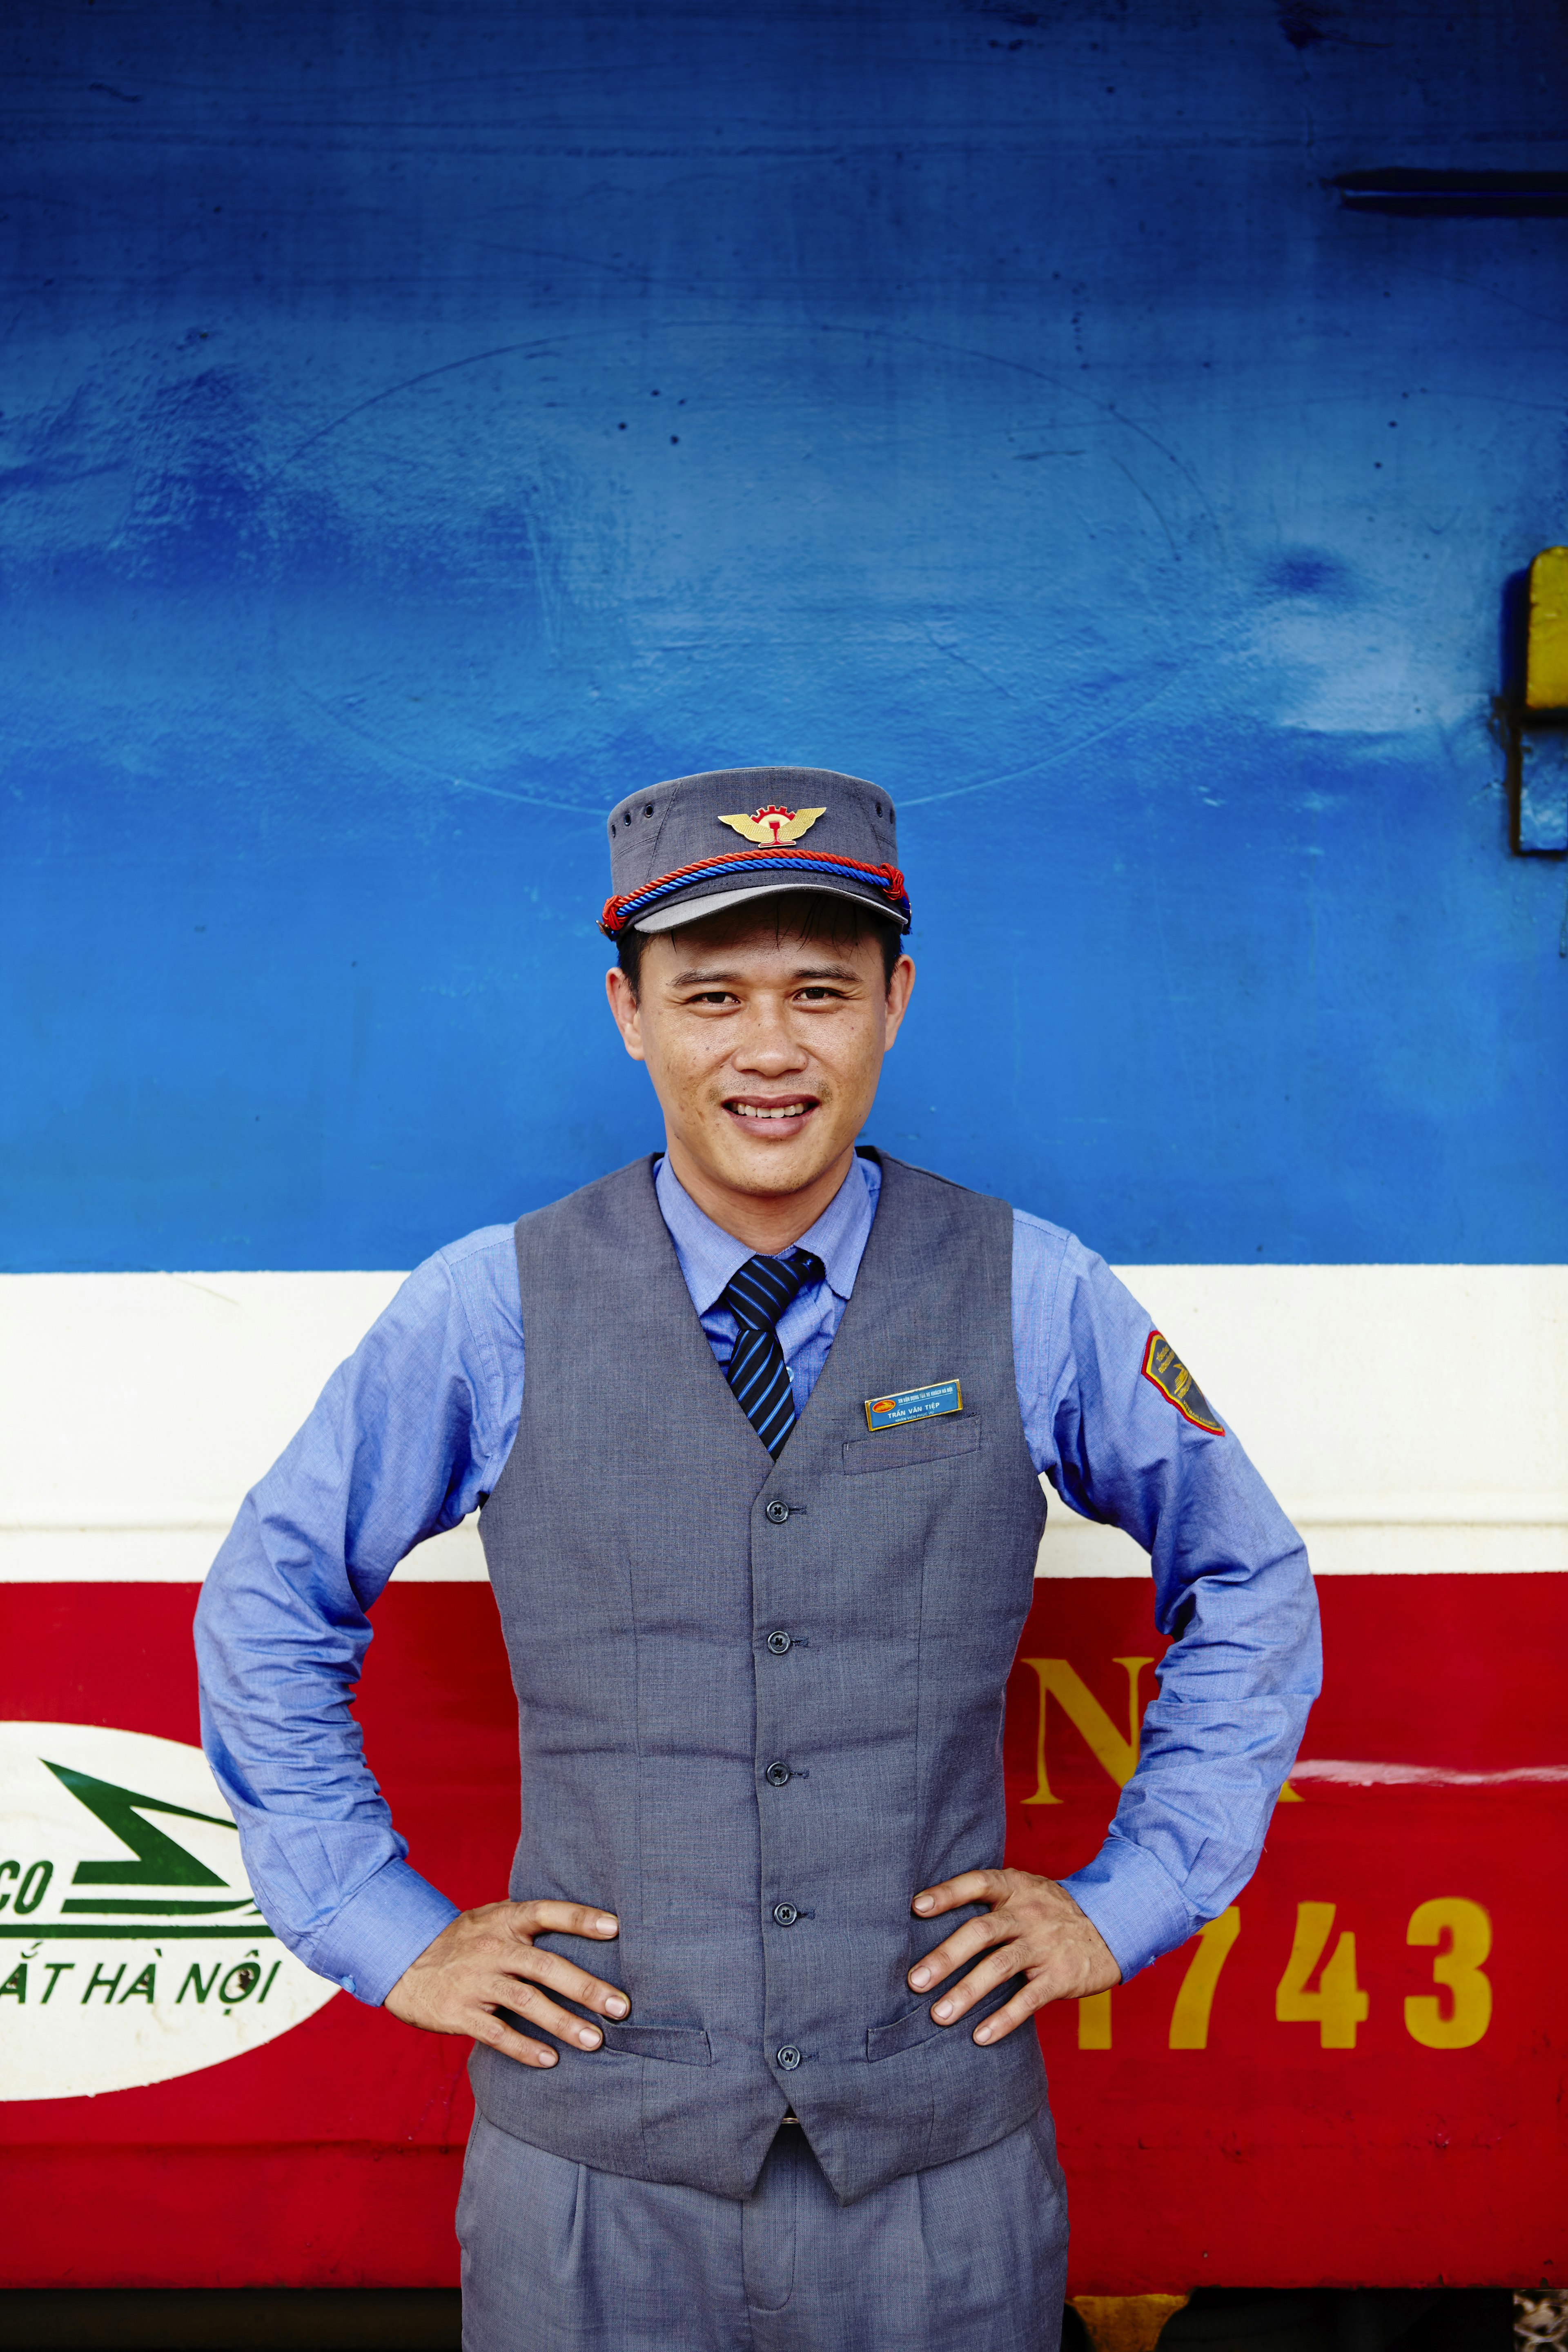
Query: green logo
[159, 1860]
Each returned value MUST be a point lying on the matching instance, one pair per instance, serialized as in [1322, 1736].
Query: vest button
[786, 1915]
[788, 2057]
[779, 1643]
[776, 1775]
[776, 1511]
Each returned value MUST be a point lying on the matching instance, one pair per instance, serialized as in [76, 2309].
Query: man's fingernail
[983, 2033]
[546, 2058]
[615, 2006]
[924, 1901]
[942, 2009]
[589, 2036]
[606, 1926]
[919, 1977]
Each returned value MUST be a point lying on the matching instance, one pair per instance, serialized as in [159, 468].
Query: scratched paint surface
[421, 422]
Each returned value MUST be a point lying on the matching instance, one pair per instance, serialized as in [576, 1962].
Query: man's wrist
[1134, 1902]
[379, 1932]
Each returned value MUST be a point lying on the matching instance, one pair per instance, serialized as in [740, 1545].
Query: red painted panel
[1266, 2158]
[331, 2156]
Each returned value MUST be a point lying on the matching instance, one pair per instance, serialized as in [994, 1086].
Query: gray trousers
[560, 2258]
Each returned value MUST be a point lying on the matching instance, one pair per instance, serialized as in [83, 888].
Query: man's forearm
[1217, 1743]
[278, 1664]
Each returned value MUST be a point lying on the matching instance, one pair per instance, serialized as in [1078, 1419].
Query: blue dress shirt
[411, 1432]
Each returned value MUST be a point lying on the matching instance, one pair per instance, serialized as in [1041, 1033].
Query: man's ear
[625, 1011]
[900, 987]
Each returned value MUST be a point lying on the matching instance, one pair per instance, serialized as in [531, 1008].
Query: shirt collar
[710, 1258]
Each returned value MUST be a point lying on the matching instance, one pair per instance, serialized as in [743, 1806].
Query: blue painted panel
[423, 423]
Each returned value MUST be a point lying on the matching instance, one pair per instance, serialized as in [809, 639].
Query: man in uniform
[757, 1428]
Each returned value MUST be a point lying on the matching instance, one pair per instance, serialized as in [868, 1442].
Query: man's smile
[780, 1115]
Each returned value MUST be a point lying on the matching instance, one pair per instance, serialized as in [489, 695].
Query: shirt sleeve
[1232, 1591]
[405, 1438]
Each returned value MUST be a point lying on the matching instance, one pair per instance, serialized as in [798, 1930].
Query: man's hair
[804, 915]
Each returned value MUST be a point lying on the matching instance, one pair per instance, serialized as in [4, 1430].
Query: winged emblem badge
[774, 826]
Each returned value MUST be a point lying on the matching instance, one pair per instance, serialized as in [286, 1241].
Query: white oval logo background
[131, 1946]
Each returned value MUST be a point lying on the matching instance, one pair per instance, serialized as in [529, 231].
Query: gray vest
[761, 1703]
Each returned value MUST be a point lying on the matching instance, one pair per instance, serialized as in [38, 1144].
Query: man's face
[765, 1048]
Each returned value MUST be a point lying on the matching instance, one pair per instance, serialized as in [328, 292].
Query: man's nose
[767, 1047]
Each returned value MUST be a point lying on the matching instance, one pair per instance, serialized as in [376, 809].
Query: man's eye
[712, 996]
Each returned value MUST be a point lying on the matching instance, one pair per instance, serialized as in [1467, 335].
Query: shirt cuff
[1132, 1900]
[380, 1931]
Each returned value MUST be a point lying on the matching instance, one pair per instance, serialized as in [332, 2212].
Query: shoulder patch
[1175, 1383]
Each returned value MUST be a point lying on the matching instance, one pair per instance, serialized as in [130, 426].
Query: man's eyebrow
[700, 979]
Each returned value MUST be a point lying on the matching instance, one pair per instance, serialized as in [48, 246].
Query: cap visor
[674, 912]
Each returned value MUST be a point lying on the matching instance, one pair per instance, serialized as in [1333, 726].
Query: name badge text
[914, 1404]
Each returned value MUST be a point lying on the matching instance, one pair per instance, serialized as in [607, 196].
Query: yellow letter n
[1063, 1683]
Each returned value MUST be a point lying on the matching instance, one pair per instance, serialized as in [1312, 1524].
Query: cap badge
[774, 826]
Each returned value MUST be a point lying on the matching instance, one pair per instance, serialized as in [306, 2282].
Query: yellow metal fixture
[1546, 642]
[1532, 709]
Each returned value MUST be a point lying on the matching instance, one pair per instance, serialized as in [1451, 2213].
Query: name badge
[914, 1404]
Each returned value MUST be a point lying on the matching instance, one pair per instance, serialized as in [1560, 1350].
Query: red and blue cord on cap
[620, 912]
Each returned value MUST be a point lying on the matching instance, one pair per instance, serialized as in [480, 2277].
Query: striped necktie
[756, 1371]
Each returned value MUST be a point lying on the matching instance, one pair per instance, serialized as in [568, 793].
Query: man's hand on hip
[487, 1960]
[1034, 1928]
